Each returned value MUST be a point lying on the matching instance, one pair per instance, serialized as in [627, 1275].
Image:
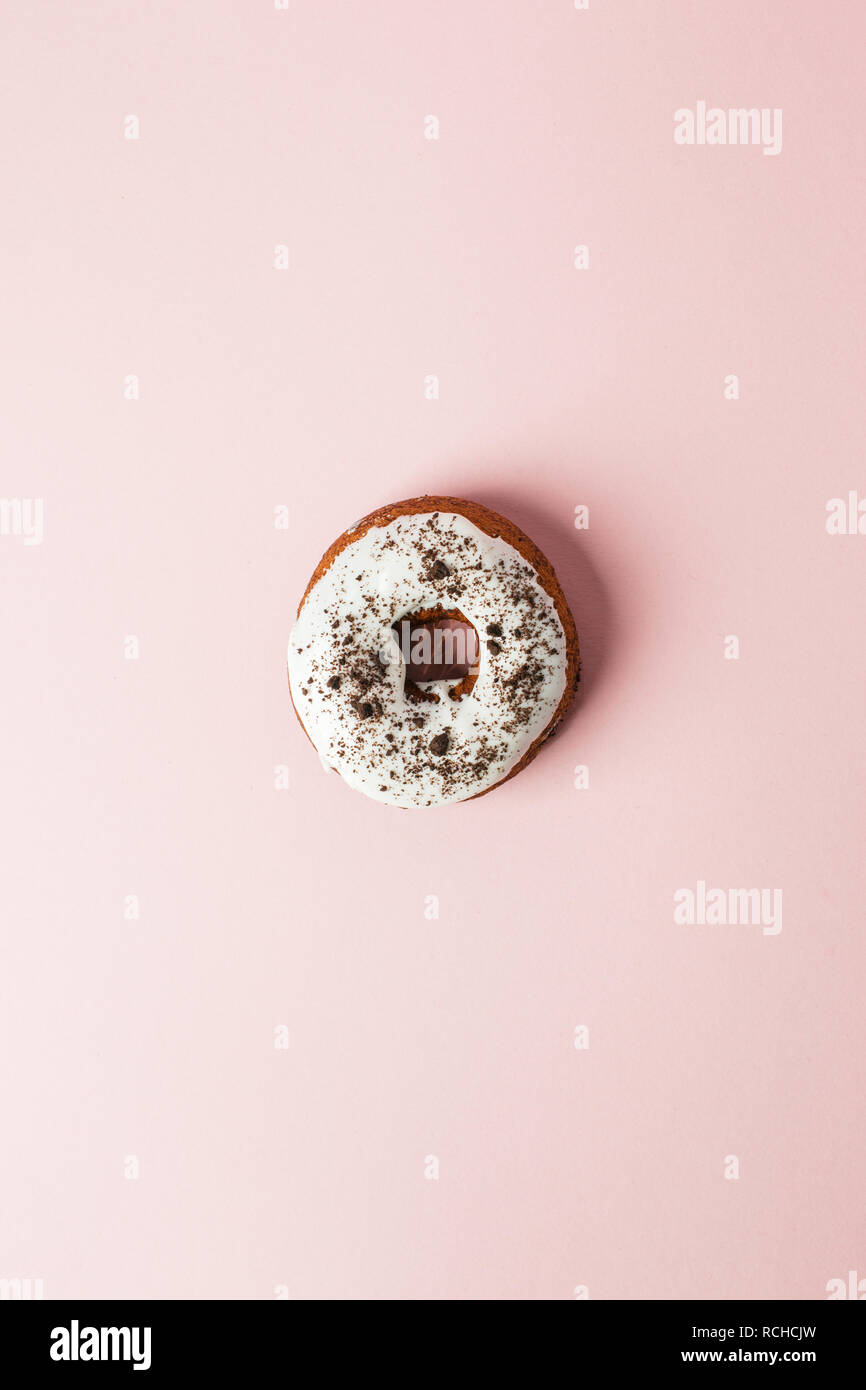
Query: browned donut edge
[492, 524]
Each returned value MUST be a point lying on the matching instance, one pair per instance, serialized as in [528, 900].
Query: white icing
[376, 580]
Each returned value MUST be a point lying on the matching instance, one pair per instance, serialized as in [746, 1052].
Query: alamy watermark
[854, 1288]
[76, 1343]
[24, 518]
[715, 125]
[20, 1289]
[714, 907]
[431, 644]
[846, 516]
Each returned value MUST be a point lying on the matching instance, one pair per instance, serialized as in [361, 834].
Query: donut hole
[438, 646]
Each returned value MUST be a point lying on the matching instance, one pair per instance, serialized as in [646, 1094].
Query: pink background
[304, 1168]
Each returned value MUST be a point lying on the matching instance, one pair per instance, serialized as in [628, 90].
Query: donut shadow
[587, 595]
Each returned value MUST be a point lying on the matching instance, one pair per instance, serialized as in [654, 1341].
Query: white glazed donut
[433, 743]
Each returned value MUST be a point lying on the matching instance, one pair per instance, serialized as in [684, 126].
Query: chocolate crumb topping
[440, 744]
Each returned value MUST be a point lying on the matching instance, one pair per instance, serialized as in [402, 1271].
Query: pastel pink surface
[408, 1037]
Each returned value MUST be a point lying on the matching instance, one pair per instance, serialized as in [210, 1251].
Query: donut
[402, 713]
